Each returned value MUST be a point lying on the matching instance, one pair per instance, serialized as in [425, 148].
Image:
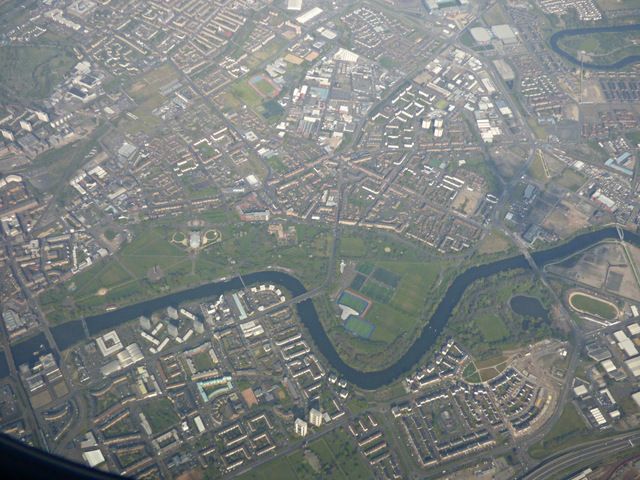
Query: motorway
[588, 453]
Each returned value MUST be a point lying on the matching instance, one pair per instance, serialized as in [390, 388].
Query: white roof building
[628, 348]
[481, 35]
[345, 55]
[580, 391]
[633, 364]
[620, 336]
[505, 33]
[93, 457]
[301, 427]
[308, 16]
[608, 365]
[109, 343]
[634, 329]
[315, 417]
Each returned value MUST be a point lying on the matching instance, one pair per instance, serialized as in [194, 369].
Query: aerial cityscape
[314, 239]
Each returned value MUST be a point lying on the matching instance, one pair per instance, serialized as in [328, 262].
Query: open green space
[396, 313]
[495, 15]
[245, 93]
[385, 276]
[470, 373]
[150, 265]
[537, 171]
[571, 180]
[485, 324]
[491, 327]
[602, 47]
[32, 71]
[62, 163]
[276, 164]
[365, 268]
[568, 430]
[203, 362]
[352, 247]
[350, 300]
[160, 414]
[359, 327]
[593, 306]
[265, 88]
[357, 282]
[334, 457]
[617, 4]
[376, 291]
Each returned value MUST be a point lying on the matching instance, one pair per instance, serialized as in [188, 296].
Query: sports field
[358, 303]
[593, 306]
[359, 327]
[264, 86]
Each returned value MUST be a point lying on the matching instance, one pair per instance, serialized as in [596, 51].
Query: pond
[528, 307]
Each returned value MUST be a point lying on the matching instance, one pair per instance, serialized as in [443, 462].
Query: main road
[588, 453]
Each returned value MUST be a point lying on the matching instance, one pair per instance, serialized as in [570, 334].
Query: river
[71, 333]
[624, 62]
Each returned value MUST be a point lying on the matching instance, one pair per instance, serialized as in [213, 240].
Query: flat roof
[93, 457]
[503, 32]
[633, 364]
[481, 34]
[634, 329]
[608, 366]
[310, 15]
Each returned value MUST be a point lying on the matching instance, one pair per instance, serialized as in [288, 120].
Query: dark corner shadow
[20, 461]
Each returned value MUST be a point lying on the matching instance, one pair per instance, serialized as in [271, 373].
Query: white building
[109, 343]
[301, 427]
[315, 417]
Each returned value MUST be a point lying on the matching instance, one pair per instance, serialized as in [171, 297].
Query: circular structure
[583, 302]
[179, 237]
[211, 236]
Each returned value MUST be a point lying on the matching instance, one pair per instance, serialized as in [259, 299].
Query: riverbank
[557, 37]
[67, 335]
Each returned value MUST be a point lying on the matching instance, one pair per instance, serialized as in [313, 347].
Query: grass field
[376, 291]
[337, 457]
[243, 248]
[352, 247]
[571, 180]
[602, 47]
[109, 275]
[33, 71]
[537, 170]
[350, 300]
[357, 282]
[161, 415]
[470, 373]
[265, 88]
[246, 94]
[202, 361]
[365, 268]
[385, 276]
[593, 306]
[492, 327]
[359, 327]
[569, 429]
[276, 164]
[400, 313]
[495, 242]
